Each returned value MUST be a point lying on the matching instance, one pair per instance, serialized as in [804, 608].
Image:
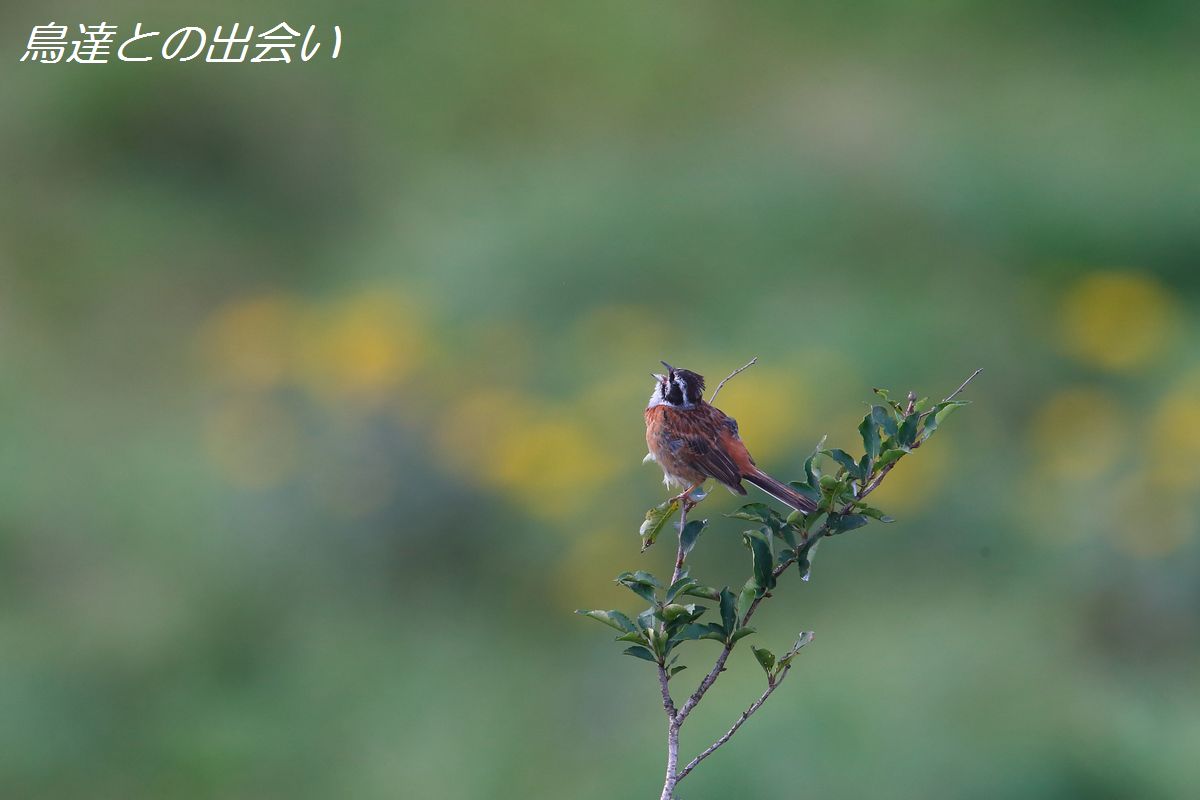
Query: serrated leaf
[811, 473]
[869, 430]
[763, 561]
[766, 658]
[889, 456]
[939, 413]
[707, 592]
[656, 520]
[746, 598]
[643, 584]
[741, 633]
[885, 419]
[642, 652]
[691, 533]
[691, 631]
[845, 460]
[759, 512]
[842, 523]
[613, 619]
[786, 659]
[908, 430]
[645, 620]
[681, 586]
[729, 615]
[873, 513]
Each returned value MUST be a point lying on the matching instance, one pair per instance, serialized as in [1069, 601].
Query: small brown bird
[693, 441]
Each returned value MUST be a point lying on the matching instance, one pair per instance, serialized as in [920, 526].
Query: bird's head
[678, 387]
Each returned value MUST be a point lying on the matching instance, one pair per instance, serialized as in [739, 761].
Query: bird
[693, 441]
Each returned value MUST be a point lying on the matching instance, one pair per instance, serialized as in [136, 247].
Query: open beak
[668, 366]
[657, 377]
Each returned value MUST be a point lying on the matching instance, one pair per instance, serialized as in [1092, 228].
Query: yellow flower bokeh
[549, 461]
[1077, 435]
[769, 405]
[249, 341]
[1174, 438]
[1117, 321]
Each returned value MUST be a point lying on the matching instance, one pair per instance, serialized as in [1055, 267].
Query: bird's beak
[657, 377]
[668, 366]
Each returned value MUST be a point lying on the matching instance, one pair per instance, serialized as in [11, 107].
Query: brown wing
[714, 461]
[708, 442]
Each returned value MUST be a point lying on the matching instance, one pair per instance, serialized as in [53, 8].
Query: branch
[755, 706]
[956, 392]
[717, 391]
[708, 681]
[679, 554]
[668, 703]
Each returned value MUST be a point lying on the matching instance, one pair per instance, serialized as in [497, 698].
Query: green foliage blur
[322, 390]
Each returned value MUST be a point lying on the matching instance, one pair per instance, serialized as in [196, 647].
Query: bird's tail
[781, 492]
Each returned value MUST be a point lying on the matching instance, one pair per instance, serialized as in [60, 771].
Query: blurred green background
[322, 392]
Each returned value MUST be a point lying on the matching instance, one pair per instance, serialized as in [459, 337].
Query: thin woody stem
[717, 391]
[745, 715]
[957, 391]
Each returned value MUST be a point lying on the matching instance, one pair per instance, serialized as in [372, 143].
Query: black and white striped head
[681, 388]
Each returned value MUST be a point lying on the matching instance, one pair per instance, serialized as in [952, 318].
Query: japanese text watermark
[100, 43]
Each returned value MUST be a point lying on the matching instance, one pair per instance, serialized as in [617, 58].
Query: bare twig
[717, 391]
[956, 392]
[707, 682]
[755, 706]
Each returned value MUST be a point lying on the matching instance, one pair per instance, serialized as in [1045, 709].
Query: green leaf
[805, 556]
[741, 633]
[764, 562]
[642, 589]
[845, 460]
[873, 513]
[645, 577]
[707, 592]
[841, 523]
[691, 532]
[681, 586]
[788, 532]
[937, 414]
[811, 473]
[766, 658]
[642, 652]
[643, 584]
[676, 670]
[786, 659]
[811, 492]
[885, 419]
[908, 430]
[656, 519]
[632, 637]
[692, 631]
[613, 619]
[746, 598]
[759, 512]
[673, 611]
[729, 615]
[890, 456]
[645, 620]
[869, 430]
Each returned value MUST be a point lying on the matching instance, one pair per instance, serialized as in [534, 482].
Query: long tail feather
[781, 492]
